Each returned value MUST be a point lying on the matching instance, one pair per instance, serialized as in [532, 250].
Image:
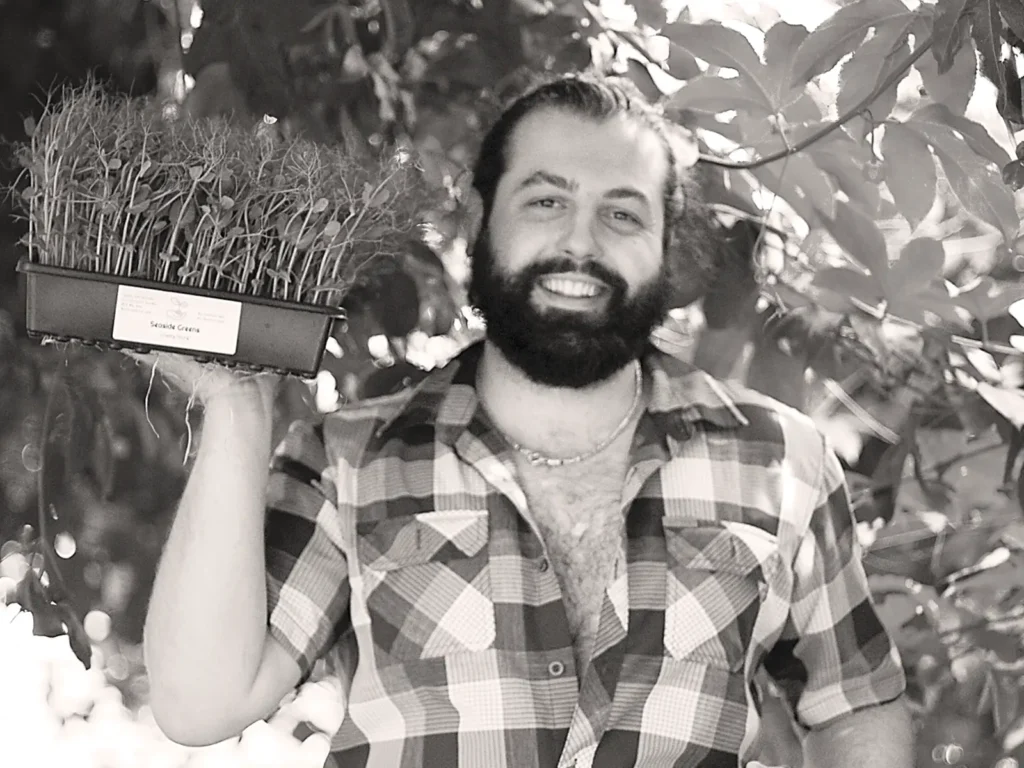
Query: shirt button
[543, 565]
[556, 669]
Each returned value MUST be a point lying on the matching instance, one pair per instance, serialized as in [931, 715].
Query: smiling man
[562, 549]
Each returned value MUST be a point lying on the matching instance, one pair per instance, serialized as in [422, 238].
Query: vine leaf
[847, 284]
[844, 160]
[723, 47]
[781, 42]
[860, 237]
[713, 94]
[839, 35]
[909, 172]
[1013, 13]
[989, 298]
[949, 29]
[975, 134]
[988, 30]
[955, 87]
[920, 263]
[870, 64]
[977, 186]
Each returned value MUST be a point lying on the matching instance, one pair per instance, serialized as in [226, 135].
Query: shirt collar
[682, 396]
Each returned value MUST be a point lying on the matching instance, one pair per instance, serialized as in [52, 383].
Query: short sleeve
[307, 571]
[835, 656]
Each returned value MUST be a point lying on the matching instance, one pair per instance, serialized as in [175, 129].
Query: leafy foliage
[863, 172]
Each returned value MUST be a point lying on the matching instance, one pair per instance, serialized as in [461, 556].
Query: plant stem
[843, 119]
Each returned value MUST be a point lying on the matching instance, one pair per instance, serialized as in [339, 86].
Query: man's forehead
[550, 139]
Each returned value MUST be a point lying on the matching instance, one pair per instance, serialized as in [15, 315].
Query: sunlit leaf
[870, 64]
[724, 47]
[909, 172]
[948, 31]
[844, 160]
[860, 237]
[987, 32]
[1009, 402]
[955, 87]
[713, 94]
[1013, 13]
[641, 77]
[979, 189]
[840, 35]
[988, 298]
[849, 284]
[975, 134]
[781, 42]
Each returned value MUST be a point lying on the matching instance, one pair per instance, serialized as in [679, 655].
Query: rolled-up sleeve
[835, 657]
[307, 571]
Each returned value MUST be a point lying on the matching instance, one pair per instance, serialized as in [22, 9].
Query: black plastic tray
[71, 305]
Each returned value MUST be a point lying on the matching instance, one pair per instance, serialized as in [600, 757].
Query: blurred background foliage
[863, 166]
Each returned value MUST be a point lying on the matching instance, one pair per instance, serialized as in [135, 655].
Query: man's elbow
[192, 726]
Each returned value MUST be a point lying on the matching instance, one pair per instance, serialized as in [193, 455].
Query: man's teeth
[573, 288]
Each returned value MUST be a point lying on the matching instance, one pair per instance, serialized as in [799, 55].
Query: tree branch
[854, 111]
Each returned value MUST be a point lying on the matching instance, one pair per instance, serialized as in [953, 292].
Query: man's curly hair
[688, 239]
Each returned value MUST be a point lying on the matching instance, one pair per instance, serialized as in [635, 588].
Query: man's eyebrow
[628, 193]
[544, 177]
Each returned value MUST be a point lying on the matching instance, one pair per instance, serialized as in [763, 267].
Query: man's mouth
[572, 287]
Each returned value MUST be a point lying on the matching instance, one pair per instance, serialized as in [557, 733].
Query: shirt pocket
[714, 590]
[427, 584]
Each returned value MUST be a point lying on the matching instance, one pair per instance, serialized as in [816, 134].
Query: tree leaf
[989, 298]
[713, 94]
[919, 264]
[1009, 402]
[870, 64]
[909, 172]
[781, 42]
[860, 237]
[849, 284]
[844, 160]
[680, 63]
[1013, 13]
[637, 72]
[979, 189]
[840, 34]
[955, 87]
[724, 47]
[948, 31]
[975, 134]
[988, 33]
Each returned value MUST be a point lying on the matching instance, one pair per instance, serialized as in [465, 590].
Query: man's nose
[578, 239]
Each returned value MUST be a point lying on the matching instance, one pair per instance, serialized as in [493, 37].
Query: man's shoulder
[349, 428]
[769, 421]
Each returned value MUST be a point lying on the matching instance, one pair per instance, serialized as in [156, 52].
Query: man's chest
[580, 517]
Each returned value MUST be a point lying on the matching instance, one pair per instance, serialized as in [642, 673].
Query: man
[563, 548]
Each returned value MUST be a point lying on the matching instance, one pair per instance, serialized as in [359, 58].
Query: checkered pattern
[399, 540]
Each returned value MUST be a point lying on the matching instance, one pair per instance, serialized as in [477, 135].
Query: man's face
[569, 272]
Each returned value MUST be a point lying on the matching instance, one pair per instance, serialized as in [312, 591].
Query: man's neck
[557, 421]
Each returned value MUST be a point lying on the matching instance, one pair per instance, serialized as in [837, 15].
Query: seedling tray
[246, 332]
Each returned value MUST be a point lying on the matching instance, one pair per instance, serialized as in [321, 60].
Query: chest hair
[578, 509]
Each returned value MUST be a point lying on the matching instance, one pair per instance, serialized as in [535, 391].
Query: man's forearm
[206, 625]
[879, 737]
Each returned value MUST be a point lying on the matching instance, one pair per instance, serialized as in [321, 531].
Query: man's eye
[626, 217]
[545, 202]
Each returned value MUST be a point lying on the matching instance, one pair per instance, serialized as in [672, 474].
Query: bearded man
[564, 548]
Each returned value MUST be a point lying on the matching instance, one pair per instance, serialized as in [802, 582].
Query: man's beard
[558, 347]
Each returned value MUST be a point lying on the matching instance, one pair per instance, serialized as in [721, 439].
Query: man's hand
[209, 382]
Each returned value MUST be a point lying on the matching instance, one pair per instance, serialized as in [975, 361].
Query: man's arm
[213, 667]
[879, 737]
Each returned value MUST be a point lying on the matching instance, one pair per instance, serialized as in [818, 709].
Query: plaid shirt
[399, 544]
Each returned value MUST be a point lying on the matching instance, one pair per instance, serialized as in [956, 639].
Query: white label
[178, 320]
